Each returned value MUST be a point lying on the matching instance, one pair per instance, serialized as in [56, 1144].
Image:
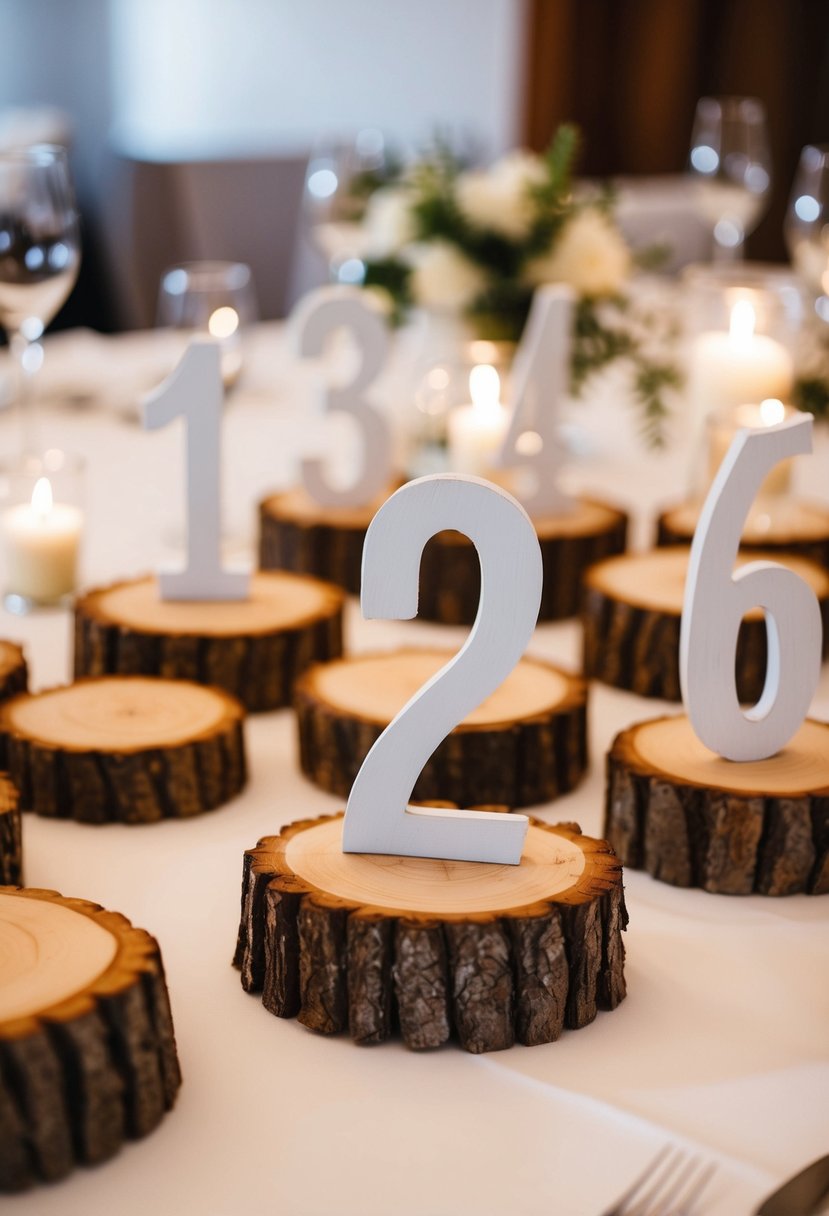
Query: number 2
[316, 320]
[378, 818]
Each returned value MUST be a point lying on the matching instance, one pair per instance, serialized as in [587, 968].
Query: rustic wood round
[297, 534]
[631, 613]
[797, 528]
[693, 819]
[11, 840]
[525, 745]
[253, 649]
[14, 674]
[87, 1050]
[492, 954]
[133, 749]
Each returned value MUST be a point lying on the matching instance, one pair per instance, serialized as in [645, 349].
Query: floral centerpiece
[477, 242]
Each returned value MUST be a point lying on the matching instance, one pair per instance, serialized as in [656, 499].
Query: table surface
[722, 1042]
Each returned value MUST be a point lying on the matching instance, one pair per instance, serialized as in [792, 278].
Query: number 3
[378, 819]
[716, 602]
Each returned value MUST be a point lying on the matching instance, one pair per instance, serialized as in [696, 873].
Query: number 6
[716, 602]
[377, 819]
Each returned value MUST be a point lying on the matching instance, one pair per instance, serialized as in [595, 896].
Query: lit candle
[41, 542]
[728, 369]
[724, 426]
[477, 431]
[223, 325]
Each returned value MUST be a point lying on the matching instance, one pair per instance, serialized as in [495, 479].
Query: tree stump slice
[254, 649]
[14, 674]
[11, 841]
[450, 575]
[693, 819]
[525, 745]
[87, 1049]
[797, 528]
[127, 749]
[631, 613]
[488, 954]
[297, 534]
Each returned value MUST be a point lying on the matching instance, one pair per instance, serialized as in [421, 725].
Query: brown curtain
[630, 72]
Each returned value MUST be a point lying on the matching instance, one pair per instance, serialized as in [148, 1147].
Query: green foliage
[811, 394]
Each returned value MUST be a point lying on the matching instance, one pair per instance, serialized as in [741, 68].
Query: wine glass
[341, 175]
[731, 165]
[39, 257]
[211, 299]
[806, 227]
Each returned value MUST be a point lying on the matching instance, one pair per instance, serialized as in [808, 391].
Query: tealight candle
[476, 431]
[41, 540]
[727, 369]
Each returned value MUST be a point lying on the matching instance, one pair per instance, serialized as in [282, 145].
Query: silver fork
[669, 1186]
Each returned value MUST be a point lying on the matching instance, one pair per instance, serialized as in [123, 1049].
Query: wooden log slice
[11, 841]
[253, 648]
[132, 749]
[631, 612]
[450, 576]
[296, 533]
[797, 528]
[14, 675]
[490, 954]
[87, 1050]
[525, 745]
[693, 819]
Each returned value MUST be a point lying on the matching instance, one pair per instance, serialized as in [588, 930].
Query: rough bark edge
[15, 678]
[489, 980]
[11, 839]
[258, 669]
[449, 570]
[139, 786]
[724, 842]
[522, 762]
[83, 1076]
[637, 649]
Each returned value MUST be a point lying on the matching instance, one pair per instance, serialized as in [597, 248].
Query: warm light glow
[743, 321]
[485, 387]
[529, 443]
[223, 322]
[42, 498]
[772, 411]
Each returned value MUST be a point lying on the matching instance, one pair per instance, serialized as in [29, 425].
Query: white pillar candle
[477, 431]
[729, 369]
[41, 541]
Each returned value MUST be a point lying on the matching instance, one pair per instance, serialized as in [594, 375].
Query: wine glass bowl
[806, 227]
[39, 252]
[730, 163]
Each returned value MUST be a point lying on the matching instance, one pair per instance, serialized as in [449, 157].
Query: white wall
[213, 77]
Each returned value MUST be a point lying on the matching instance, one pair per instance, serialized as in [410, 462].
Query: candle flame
[42, 498]
[485, 388]
[743, 320]
[223, 322]
[772, 411]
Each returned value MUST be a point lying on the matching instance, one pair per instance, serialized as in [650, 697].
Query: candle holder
[742, 325]
[210, 299]
[41, 523]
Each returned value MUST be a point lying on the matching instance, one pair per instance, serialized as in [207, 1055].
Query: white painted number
[378, 818]
[541, 374]
[194, 392]
[717, 600]
[318, 317]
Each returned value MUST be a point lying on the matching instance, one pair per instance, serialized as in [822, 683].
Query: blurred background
[191, 123]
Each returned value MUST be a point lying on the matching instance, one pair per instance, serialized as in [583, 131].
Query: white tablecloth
[723, 1040]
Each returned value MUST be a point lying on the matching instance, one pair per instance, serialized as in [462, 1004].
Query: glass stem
[25, 397]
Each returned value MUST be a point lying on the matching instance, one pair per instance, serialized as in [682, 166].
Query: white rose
[387, 223]
[498, 198]
[590, 255]
[442, 277]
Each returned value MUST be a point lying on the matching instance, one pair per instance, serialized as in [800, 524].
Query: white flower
[590, 255]
[442, 277]
[498, 198]
[387, 223]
